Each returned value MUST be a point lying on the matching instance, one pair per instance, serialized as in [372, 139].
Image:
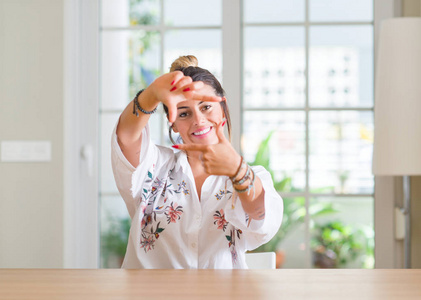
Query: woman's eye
[182, 115]
[206, 107]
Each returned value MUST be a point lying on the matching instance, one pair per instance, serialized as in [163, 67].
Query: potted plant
[336, 245]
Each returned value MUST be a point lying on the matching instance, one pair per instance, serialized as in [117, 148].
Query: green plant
[114, 240]
[335, 245]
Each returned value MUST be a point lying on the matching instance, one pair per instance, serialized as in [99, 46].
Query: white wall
[31, 108]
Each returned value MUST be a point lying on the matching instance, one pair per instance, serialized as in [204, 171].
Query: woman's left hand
[217, 159]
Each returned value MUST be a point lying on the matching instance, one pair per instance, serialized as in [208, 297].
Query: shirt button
[197, 217]
[193, 245]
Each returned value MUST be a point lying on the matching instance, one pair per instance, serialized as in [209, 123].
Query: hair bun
[184, 62]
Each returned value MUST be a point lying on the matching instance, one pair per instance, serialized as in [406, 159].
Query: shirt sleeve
[129, 179]
[258, 232]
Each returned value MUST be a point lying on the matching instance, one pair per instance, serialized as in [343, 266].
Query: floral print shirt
[172, 227]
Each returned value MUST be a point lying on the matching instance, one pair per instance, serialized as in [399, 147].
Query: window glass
[193, 12]
[266, 11]
[205, 44]
[341, 10]
[130, 61]
[124, 13]
[276, 140]
[341, 147]
[274, 67]
[341, 66]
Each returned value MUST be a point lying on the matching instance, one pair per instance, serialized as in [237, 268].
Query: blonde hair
[184, 62]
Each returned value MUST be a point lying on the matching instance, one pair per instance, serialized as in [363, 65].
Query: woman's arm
[129, 128]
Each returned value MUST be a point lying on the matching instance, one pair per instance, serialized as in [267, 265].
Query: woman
[203, 206]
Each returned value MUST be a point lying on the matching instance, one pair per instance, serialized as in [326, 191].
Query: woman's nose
[198, 117]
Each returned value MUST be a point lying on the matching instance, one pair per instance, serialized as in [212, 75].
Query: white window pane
[266, 11]
[341, 10]
[286, 145]
[274, 67]
[341, 66]
[342, 233]
[341, 147]
[204, 44]
[193, 12]
[130, 61]
[123, 13]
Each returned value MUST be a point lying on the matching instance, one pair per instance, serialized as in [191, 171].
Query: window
[307, 115]
[306, 109]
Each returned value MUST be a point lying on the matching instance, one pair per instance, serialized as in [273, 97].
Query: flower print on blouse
[223, 193]
[220, 221]
[173, 211]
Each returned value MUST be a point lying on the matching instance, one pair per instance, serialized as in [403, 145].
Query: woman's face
[197, 120]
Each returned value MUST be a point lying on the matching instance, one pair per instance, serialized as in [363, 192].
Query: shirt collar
[181, 159]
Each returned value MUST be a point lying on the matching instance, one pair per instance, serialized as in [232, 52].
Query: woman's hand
[174, 87]
[222, 159]
[217, 159]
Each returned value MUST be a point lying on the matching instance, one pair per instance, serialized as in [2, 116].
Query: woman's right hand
[174, 87]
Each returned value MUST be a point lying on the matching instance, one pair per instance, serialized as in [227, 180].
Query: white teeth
[202, 132]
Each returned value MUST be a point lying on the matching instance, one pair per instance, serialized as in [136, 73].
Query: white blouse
[171, 228]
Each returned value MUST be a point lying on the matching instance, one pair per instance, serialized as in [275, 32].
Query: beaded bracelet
[251, 185]
[245, 177]
[137, 105]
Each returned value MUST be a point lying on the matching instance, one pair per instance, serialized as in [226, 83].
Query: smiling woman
[178, 201]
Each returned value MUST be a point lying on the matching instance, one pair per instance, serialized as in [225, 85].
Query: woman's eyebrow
[183, 107]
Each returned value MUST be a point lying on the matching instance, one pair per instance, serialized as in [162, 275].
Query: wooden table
[209, 284]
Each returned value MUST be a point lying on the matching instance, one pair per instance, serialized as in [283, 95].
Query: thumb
[220, 131]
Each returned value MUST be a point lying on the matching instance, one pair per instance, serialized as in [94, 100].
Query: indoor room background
[299, 77]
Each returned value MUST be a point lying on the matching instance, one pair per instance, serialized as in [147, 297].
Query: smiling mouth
[202, 132]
